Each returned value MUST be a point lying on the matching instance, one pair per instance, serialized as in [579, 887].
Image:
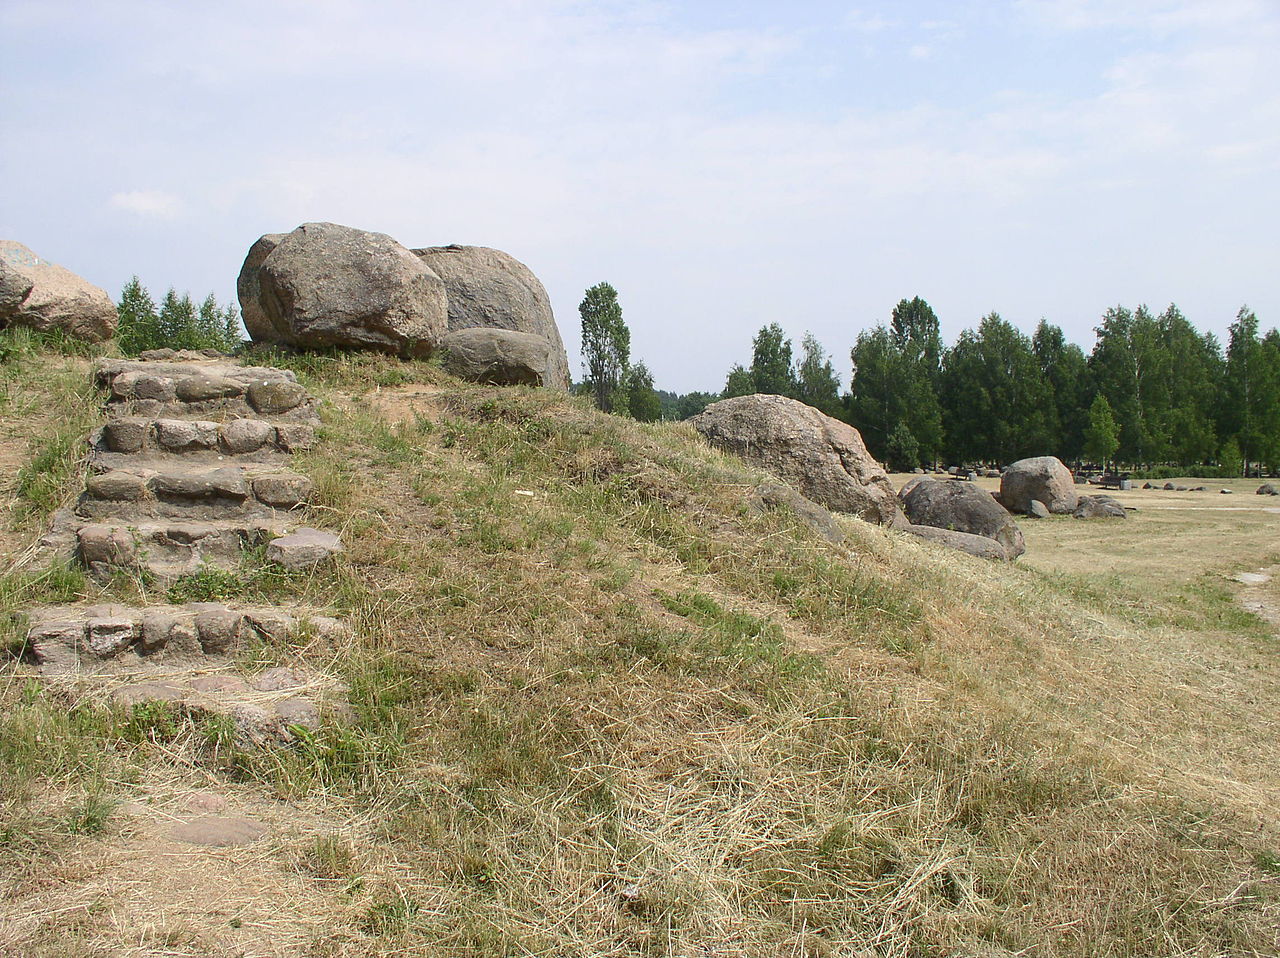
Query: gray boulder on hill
[45, 296]
[979, 546]
[501, 357]
[1267, 489]
[329, 285]
[962, 507]
[1044, 478]
[487, 287]
[769, 496]
[823, 457]
[249, 290]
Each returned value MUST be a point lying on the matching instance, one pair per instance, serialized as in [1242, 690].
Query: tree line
[1153, 391]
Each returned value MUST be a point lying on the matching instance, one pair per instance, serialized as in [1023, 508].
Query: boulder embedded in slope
[962, 507]
[1044, 478]
[501, 357]
[822, 457]
[776, 496]
[489, 288]
[980, 546]
[326, 285]
[45, 296]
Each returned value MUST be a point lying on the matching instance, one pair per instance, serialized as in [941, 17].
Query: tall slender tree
[606, 343]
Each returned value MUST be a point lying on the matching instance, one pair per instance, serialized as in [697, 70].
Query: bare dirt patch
[143, 887]
[406, 403]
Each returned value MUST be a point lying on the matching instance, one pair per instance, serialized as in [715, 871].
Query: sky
[725, 164]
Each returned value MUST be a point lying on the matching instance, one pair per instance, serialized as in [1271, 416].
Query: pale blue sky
[723, 164]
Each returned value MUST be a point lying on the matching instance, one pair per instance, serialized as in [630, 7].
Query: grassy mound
[605, 706]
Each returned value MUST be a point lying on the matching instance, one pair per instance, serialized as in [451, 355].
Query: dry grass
[604, 708]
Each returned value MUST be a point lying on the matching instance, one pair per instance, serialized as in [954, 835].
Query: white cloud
[148, 203]
[859, 22]
[920, 52]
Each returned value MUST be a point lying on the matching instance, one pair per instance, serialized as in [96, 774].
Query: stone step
[248, 440]
[120, 639]
[166, 548]
[151, 489]
[203, 388]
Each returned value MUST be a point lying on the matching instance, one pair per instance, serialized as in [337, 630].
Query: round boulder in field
[327, 285]
[822, 457]
[963, 507]
[1038, 510]
[44, 296]
[1267, 489]
[501, 357]
[487, 287]
[1098, 507]
[1044, 478]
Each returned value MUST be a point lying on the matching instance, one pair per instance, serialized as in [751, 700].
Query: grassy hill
[604, 705]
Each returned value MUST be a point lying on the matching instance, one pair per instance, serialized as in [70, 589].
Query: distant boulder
[1267, 489]
[962, 507]
[45, 296]
[1044, 478]
[489, 288]
[326, 285]
[1038, 510]
[501, 357]
[1098, 507]
[823, 457]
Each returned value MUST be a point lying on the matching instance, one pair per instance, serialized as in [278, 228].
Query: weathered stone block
[246, 435]
[273, 397]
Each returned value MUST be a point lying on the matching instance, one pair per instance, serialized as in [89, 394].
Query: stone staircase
[190, 470]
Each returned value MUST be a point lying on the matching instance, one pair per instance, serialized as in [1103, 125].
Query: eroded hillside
[601, 702]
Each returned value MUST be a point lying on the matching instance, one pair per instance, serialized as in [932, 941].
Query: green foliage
[740, 382]
[1231, 459]
[1102, 435]
[771, 369]
[816, 380]
[178, 324]
[1066, 371]
[995, 400]
[643, 403]
[677, 407]
[903, 450]
[606, 343]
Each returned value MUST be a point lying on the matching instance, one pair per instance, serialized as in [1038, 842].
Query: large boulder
[44, 296]
[249, 290]
[501, 357]
[1044, 478]
[328, 285]
[979, 546]
[487, 287]
[962, 507]
[822, 457]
